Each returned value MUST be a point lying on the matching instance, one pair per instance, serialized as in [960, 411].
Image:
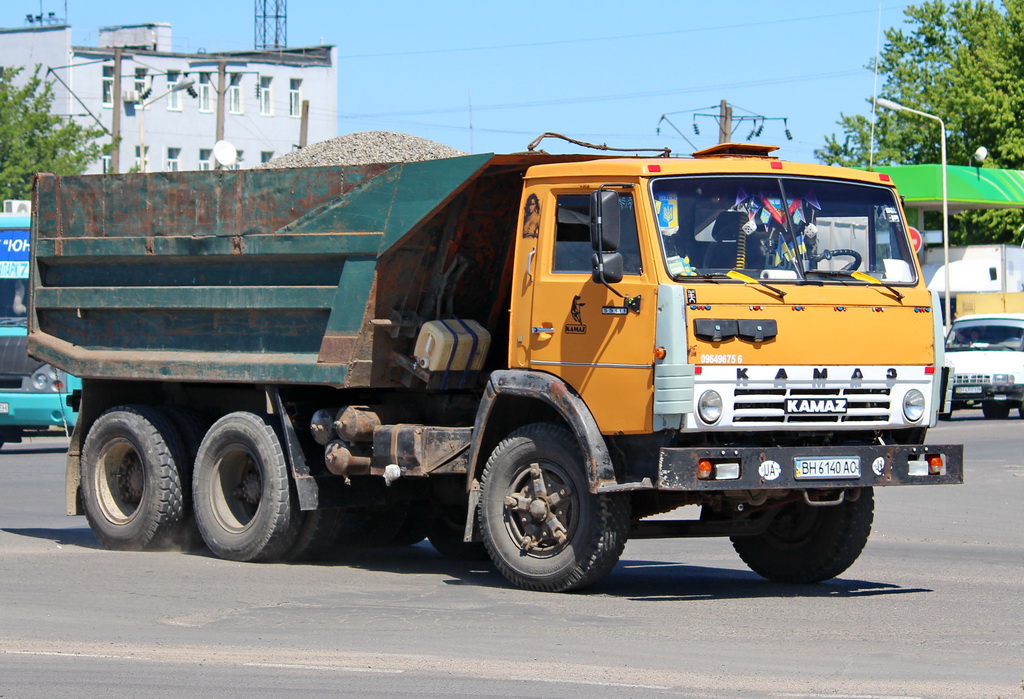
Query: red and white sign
[915, 238]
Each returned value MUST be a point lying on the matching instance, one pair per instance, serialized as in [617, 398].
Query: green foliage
[964, 62]
[34, 140]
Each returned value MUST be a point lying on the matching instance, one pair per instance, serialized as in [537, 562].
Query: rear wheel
[995, 411]
[244, 504]
[317, 535]
[132, 491]
[542, 527]
[807, 544]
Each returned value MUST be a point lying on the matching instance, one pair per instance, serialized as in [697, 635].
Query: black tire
[317, 536]
[582, 535]
[414, 527]
[995, 411]
[244, 504]
[131, 479]
[192, 427]
[945, 417]
[808, 544]
[445, 532]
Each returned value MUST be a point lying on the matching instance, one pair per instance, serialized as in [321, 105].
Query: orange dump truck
[525, 356]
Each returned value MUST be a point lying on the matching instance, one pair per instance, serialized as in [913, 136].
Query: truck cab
[755, 296]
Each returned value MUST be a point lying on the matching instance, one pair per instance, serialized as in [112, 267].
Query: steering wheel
[844, 252]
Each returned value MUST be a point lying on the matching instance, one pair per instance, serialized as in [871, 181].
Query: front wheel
[243, 501]
[541, 525]
[807, 544]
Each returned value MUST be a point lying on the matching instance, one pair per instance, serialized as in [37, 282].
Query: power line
[607, 98]
[648, 35]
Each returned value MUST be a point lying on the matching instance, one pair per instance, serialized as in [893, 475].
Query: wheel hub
[538, 512]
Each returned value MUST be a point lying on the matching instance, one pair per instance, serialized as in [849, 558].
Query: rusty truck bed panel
[265, 275]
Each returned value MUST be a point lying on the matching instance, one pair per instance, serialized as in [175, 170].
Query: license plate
[4, 408]
[968, 389]
[828, 467]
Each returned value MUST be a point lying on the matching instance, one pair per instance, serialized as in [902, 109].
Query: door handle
[545, 332]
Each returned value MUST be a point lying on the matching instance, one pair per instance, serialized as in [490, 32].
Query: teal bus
[33, 395]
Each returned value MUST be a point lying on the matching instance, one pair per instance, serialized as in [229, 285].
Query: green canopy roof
[967, 187]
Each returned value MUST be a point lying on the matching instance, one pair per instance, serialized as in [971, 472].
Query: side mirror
[604, 220]
[608, 268]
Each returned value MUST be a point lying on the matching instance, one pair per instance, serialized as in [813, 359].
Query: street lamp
[896, 107]
[178, 87]
[978, 155]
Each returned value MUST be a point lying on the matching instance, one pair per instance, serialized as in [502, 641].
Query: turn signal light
[659, 353]
[934, 464]
[704, 469]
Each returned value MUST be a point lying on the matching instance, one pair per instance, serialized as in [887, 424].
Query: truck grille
[14, 359]
[768, 406]
[971, 378]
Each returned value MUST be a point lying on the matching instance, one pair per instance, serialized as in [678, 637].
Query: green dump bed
[305, 275]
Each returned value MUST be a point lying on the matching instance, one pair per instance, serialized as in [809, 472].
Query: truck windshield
[781, 228]
[979, 336]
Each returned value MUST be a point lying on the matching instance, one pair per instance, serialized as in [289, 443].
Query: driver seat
[724, 252]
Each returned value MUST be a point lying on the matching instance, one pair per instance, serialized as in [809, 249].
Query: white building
[174, 107]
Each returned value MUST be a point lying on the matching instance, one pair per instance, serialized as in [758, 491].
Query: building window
[173, 159]
[108, 86]
[141, 85]
[174, 98]
[235, 94]
[139, 165]
[105, 160]
[295, 97]
[238, 162]
[266, 156]
[266, 105]
[204, 158]
[205, 88]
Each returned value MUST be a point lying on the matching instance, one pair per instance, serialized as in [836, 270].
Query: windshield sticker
[892, 214]
[681, 267]
[666, 205]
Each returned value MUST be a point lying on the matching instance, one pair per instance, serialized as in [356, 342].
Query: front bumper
[760, 468]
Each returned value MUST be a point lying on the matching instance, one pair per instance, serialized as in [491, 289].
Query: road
[933, 608]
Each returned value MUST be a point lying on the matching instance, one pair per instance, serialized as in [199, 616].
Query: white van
[987, 354]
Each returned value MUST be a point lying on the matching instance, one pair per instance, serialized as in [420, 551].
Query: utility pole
[724, 122]
[304, 124]
[222, 76]
[115, 125]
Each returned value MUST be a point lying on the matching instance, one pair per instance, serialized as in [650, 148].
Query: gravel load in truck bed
[364, 147]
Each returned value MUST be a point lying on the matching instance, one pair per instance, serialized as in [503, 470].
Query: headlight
[709, 407]
[913, 405]
[46, 378]
[1002, 378]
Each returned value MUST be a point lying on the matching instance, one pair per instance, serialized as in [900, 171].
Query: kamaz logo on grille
[828, 406]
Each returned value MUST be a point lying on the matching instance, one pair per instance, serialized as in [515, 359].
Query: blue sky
[490, 76]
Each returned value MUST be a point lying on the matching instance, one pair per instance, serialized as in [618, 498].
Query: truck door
[597, 341]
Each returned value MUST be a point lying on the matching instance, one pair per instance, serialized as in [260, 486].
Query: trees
[34, 140]
[962, 61]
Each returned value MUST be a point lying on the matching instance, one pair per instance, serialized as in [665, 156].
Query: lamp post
[178, 87]
[896, 107]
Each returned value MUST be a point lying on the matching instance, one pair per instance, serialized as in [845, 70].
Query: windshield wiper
[733, 274]
[853, 275]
